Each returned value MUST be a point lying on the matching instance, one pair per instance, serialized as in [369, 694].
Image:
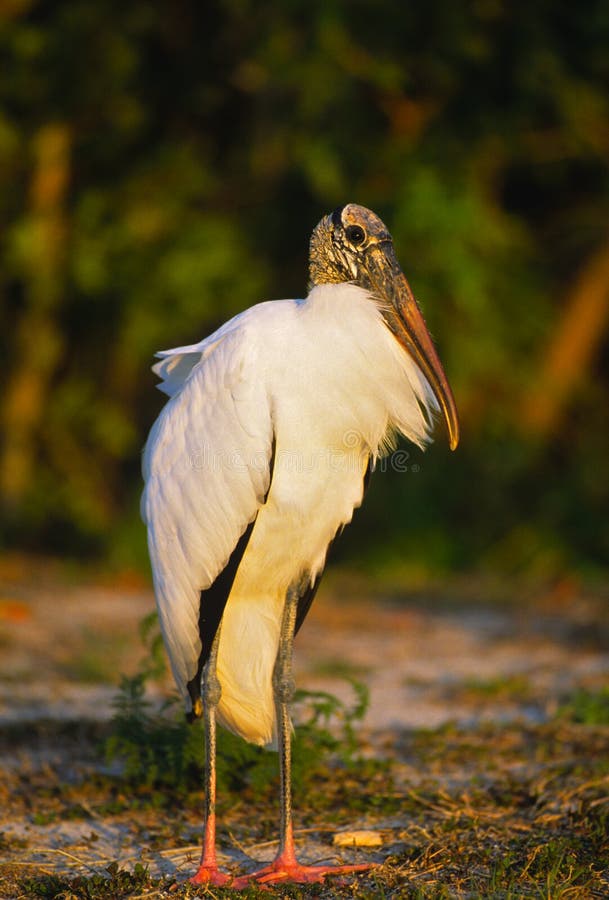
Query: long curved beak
[405, 320]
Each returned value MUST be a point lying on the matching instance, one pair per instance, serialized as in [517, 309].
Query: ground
[481, 767]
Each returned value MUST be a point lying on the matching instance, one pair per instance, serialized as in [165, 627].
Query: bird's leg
[208, 871]
[285, 866]
[283, 689]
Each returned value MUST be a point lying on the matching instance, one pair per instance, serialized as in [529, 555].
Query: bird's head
[353, 245]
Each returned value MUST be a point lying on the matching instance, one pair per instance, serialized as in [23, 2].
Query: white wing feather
[206, 467]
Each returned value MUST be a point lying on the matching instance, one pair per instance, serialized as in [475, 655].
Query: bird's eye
[355, 235]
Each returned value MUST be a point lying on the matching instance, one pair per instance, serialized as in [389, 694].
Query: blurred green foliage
[161, 168]
[587, 707]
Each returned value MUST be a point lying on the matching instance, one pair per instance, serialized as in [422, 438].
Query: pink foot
[290, 870]
[210, 875]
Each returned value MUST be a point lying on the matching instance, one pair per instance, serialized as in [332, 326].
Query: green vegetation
[161, 168]
[161, 750]
[588, 707]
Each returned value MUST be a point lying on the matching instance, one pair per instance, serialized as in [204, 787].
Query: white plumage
[324, 381]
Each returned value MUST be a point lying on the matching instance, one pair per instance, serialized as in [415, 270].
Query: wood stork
[256, 462]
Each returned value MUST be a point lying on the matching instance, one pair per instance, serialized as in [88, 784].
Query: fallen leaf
[358, 839]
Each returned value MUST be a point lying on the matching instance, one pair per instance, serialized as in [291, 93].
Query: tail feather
[249, 640]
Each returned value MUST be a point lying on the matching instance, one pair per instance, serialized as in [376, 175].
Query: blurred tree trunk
[38, 343]
[571, 349]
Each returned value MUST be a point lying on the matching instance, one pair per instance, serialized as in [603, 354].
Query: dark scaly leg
[285, 866]
[208, 871]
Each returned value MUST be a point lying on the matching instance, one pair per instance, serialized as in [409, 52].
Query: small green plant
[150, 634]
[157, 747]
[160, 749]
[586, 707]
[329, 723]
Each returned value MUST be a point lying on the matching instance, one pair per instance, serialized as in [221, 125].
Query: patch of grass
[115, 884]
[587, 707]
[340, 668]
[500, 689]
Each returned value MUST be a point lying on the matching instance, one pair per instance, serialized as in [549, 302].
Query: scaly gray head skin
[353, 245]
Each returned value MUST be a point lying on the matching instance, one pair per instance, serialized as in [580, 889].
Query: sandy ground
[428, 657]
